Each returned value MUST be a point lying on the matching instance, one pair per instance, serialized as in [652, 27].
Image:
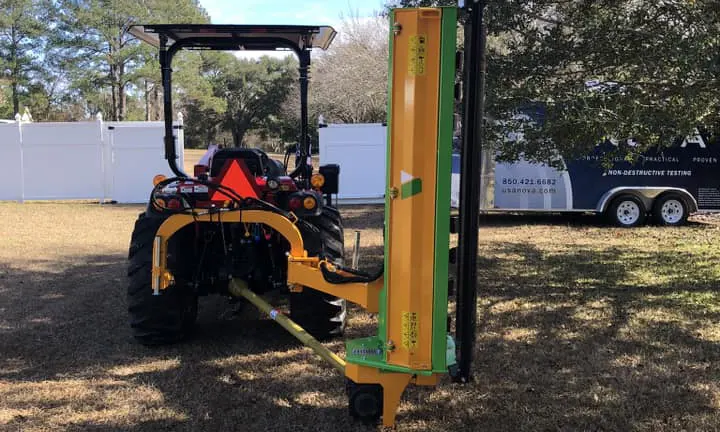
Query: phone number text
[529, 181]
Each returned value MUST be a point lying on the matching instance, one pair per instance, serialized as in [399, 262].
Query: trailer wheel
[365, 402]
[627, 211]
[162, 319]
[670, 210]
[322, 315]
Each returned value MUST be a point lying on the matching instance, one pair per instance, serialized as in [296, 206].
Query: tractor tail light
[295, 203]
[199, 170]
[173, 204]
[317, 181]
[158, 178]
[309, 203]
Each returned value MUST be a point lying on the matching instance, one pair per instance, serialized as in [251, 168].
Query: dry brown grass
[580, 327]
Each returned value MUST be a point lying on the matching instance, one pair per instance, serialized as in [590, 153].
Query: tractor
[203, 256]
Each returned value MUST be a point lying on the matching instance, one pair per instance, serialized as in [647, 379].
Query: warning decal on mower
[418, 55]
[409, 330]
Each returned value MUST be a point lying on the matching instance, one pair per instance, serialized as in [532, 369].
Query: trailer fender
[647, 194]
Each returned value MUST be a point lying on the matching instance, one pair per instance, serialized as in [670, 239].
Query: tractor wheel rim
[628, 212]
[672, 211]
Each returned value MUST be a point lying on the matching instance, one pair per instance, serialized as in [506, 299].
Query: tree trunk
[122, 96]
[156, 101]
[113, 95]
[147, 102]
[122, 99]
[15, 97]
[15, 71]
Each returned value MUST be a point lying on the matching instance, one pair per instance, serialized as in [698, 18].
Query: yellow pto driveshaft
[240, 289]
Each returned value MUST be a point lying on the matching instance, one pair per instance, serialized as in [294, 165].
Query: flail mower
[243, 226]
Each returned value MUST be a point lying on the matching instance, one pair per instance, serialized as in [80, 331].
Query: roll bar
[170, 38]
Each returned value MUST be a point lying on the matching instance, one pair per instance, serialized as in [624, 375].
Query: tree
[642, 69]
[349, 82]
[203, 109]
[23, 23]
[254, 91]
[188, 80]
[95, 34]
[638, 69]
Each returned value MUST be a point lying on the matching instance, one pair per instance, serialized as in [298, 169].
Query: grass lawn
[580, 327]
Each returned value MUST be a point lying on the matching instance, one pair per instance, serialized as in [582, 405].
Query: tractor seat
[256, 160]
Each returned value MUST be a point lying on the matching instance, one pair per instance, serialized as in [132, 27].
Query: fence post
[105, 163]
[18, 121]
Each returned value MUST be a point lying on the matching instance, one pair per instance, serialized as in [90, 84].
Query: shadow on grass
[58, 327]
[575, 342]
[565, 342]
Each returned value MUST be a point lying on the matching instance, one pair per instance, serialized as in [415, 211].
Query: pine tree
[107, 58]
[23, 23]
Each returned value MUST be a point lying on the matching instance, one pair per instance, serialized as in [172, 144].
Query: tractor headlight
[273, 184]
[317, 181]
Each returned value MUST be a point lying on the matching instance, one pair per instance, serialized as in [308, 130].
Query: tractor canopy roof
[236, 37]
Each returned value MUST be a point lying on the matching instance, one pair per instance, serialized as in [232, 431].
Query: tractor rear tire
[322, 315]
[162, 319]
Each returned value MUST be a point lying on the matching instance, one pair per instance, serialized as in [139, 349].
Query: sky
[308, 12]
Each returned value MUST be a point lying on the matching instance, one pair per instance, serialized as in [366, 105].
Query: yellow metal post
[412, 180]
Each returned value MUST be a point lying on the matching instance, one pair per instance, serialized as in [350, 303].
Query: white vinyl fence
[107, 161]
[360, 150]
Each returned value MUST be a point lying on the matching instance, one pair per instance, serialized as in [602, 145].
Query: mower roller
[243, 226]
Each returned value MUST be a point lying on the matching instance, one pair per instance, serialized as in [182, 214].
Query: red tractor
[203, 252]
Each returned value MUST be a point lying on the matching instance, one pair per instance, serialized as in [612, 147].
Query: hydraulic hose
[357, 276]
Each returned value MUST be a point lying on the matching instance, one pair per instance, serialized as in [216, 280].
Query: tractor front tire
[322, 315]
[155, 319]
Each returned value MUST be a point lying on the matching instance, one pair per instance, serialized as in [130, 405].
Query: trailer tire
[627, 211]
[322, 315]
[162, 319]
[670, 209]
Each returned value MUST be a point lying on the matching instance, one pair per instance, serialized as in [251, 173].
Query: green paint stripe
[408, 189]
[391, 368]
[448, 34]
[382, 313]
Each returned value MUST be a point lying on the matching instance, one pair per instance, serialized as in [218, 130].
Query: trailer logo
[696, 139]
[409, 185]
